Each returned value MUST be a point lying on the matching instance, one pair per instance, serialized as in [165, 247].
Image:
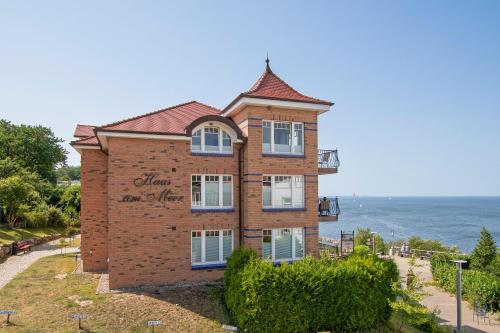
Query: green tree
[484, 252]
[35, 148]
[70, 200]
[363, 236]
[16, 195]
[68, 172]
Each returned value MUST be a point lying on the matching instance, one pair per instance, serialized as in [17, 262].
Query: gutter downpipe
[240, 196]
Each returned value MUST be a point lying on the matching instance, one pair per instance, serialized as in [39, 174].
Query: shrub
[416, 242]
[494, 267]
[45, 216]
[362, 250]
[476, 285]
[352, 294]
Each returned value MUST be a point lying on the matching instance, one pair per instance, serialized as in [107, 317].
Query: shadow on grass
[205, 300]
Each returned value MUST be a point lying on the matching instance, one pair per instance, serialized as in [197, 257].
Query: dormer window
[211, 139]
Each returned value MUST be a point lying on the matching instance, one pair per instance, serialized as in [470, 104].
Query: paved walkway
[444, 302]
[18, 263]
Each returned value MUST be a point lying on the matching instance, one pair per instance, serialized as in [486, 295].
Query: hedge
[476, 285]
[310, 295]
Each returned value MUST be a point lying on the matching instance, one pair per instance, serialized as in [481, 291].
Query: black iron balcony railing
[328, 161]
[328, 209]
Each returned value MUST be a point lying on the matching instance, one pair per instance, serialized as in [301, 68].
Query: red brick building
[167, 196]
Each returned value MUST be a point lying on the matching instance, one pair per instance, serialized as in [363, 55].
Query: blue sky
[416, 83]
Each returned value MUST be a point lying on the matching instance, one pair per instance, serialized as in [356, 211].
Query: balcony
[328, 161]
[328, 210]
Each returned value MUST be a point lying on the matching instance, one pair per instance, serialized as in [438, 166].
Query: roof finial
[267, 63]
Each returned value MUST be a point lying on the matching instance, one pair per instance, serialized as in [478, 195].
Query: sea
[455, 221]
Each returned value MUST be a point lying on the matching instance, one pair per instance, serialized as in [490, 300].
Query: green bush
[352, 294]
[362, 250]
[418, 243]
[45, 216]
[494, 267]
[476, 285]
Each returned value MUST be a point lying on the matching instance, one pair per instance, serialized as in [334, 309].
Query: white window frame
[273, 244]
[221, 192]
[292, 130]
[273, 189]
[222, 129]
[204, 250]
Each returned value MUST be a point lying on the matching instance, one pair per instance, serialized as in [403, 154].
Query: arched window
[211, 139]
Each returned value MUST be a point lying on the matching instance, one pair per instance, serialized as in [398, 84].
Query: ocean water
[451, 220]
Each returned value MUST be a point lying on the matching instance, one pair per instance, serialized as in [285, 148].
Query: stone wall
[6, 248]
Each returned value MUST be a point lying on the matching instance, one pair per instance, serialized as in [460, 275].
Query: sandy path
[444, 302]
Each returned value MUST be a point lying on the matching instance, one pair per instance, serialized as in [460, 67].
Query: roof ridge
[270, 72]
[151, 113]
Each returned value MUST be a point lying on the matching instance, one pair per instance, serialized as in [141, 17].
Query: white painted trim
[293, 232]
[203, 261]
[143, 136]
[293, 187]
[222, 128]
[320, 108]
[79, 148]
[102, 135]
[221, 191]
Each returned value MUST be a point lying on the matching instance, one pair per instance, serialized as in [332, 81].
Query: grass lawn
[7, 236]
[44, 303]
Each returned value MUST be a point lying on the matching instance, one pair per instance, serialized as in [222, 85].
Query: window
[283, 191]
[196, 140]
[283, 244]
[211, 139]
[211, 246]
[211, 191]
[282, 137]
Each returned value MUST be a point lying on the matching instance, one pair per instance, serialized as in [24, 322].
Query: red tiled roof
[89, 141]
[271, 86]
[83, 131]
[172, 120]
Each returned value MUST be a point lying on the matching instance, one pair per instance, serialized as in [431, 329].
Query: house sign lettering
[154, 189]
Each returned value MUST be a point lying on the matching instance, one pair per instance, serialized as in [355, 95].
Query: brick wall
[150, 240]
[256, 165]
[145, 230]
[94, 209]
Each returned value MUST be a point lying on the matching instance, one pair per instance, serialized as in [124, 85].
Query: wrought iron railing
[328, 207]
[328, 158]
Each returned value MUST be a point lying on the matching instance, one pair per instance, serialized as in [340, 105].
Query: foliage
[45, 216]
[70, 200]
[15, 197]
[235, 264]
[351, 294]
[363, 236]
[32, 147]
[416, 242]
[484, 252]
[476, 285]
[362, 250]
[407, 304]
[68, 173]
[494, 267]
